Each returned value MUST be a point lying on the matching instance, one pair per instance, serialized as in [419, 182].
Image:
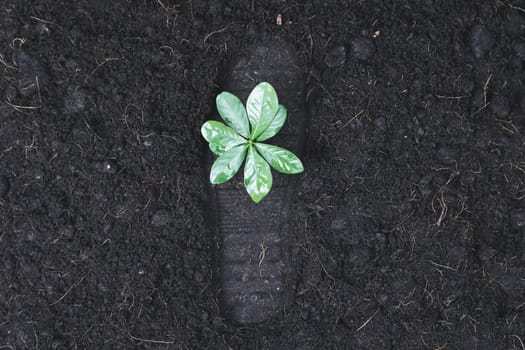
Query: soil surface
[408, 223]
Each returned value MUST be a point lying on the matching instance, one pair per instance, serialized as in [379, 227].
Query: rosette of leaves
[240, 140]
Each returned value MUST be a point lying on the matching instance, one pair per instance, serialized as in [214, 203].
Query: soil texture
[407, 227]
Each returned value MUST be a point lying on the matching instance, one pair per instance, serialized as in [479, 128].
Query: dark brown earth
[408, 223]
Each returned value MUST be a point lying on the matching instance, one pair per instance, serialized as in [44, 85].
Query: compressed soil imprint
[255, 277]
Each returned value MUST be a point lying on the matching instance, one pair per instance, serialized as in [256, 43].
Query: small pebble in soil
[428, 6]
[66, 231]
[9, 263]
[468, 178]
[519, 48]
[160, 218]
[425, 185]
[446, 155]
[75, 100]
[198, 22]
[316, 183]
[359, 255]
[467, 85]
[514, 23]
[198, 276]
[336, 57]
[25, 337]
[503, 141]
[102, 286]
[218, 323]
[380, 123]
[517, 219]
[204, 316]
[32, 76]
[4, 186]
[58, 343]
[215, 10]
[105, 166]
[106, 229]
[72, 65]
[329, 76]
[512, 285]
[38, 174]
[382, 299]
[362, 48]
[314, 73]
[478, 99]
[499, 105]
[10, 92]
[338, 223]
[42, 28]
[486, 253]
[480, 40]
[147, 142]
[515, 63]
[35, 204]
[252, 30]
[380, 241]
[456, 255]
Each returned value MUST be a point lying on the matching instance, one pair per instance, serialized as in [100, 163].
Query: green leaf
[261, 106]
[227, 165]
[232, 110]
[275, 126]
[280, 159]
[220, 137]
[257, 176]
[216, 149]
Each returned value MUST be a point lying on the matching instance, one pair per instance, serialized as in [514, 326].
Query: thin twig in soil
[262, 254]
[2, 61]
[308, 289]
[444, 210]
[429, 293]
[442, 266]
[19, 108]
[38, 90]
[325, 90]
[322, 266]
[450, 97]
[104, 61]
[41, 20]
[519, 339]
[19, 41]
[485, 88]
[212, 33]
[367, 321]
[150, 340]
[402, 221]
[519, 9]
[31, 146]
[503, 124]
[68, 291]
[167, 9]
[353, 118]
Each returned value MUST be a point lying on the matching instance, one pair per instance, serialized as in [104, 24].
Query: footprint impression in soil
[254, 274]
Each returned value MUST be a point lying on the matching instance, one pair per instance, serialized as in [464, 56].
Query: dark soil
[409, 222]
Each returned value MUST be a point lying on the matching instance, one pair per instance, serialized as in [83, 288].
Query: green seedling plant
[241, 140]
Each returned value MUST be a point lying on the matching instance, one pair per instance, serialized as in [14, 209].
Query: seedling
[242, 139]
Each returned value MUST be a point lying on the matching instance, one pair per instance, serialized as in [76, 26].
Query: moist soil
[408, 223]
